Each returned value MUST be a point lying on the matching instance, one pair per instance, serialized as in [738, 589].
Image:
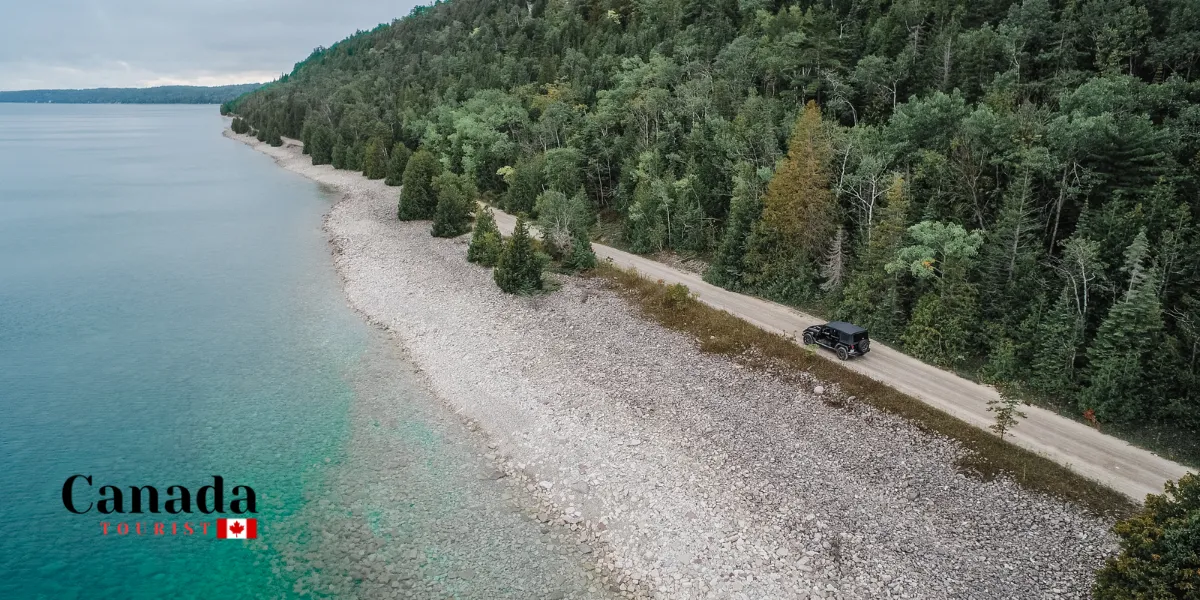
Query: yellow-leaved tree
[799, 216]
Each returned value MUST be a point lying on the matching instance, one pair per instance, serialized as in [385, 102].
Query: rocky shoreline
[681, 474]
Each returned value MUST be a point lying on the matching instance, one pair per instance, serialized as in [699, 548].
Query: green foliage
[519, 270]
[565, 223]
[1126, 344]
[486, 242]
[561, 170]
[940, 249]
[338, 157]
[1056, 348]
[524, 185]
[1025, 123]
[396, 164]
[455, 201]
[744, 211]
[1160, 548]
[799, 215]
[418, 199]
[375, 160]
[942, 329]
[239, 126]
[1007, 413]
[873, 297]
[320, 145]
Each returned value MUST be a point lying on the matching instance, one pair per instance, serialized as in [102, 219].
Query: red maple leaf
[236, 528]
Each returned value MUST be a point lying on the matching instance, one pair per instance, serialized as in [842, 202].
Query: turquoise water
[168, 312]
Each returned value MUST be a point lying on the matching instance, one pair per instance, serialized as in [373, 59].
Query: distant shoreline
[165, 94]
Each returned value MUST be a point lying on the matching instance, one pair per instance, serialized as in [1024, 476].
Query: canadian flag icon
[237, 529]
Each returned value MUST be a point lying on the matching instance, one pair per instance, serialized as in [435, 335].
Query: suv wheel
[809, 339]
[842, 352]
[864, 346]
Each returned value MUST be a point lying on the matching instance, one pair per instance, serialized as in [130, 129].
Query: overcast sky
[138, 43]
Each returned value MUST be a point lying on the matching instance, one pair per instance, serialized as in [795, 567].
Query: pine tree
[525, 186]
[375, 160]
[1011, 255]
[1056, 347]
[1007, 414]
[872, 297]
[944, 320]
[485, 240]
[354, 157]
[396, 164]
[322, 146]
[943, 323]
[518, 270]
[418, 200]
[744, 210]
[455, 199]
[1158, 558]
[798, 217]
[1120, 356]
[338, 156]
[799, 207]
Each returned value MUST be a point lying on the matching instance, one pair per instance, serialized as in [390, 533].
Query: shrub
[485, 241]
[418, 199]
[455, 197]
[397, 164]
[518, 270]
[1160, 548]
[375, 160]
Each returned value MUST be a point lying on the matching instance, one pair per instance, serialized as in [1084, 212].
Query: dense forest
[1005, 188]
[168, 94]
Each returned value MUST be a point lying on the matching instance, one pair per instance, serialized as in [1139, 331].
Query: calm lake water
[168, 312]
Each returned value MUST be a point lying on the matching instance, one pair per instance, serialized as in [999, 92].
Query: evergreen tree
[375, 161]
[1006, 411]
[744, 210]
[418, 200]
[486, 242]
[1056, 347]
[322, 146]
[1159, 557]
[518, 270]
[338, 157]
[354, 157]
[455, 199]
[397, 164]
[1121, 356]
[525, 185]
[872, 299]
[1011, 255]
[799, 215]
[944, 319]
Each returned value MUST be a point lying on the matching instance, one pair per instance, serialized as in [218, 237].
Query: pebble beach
[649, 469]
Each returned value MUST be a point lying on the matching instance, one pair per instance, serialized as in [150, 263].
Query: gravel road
[689, 475]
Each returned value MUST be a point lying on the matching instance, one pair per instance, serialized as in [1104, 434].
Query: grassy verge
[988, 456]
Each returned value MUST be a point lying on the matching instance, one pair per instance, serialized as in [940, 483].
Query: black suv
[844, 338]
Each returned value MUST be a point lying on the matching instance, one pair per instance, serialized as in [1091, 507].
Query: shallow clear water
[168, 312]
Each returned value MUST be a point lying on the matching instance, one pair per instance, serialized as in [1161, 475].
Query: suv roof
[844, 327]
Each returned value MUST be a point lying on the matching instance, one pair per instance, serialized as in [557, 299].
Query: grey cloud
[120, 43]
